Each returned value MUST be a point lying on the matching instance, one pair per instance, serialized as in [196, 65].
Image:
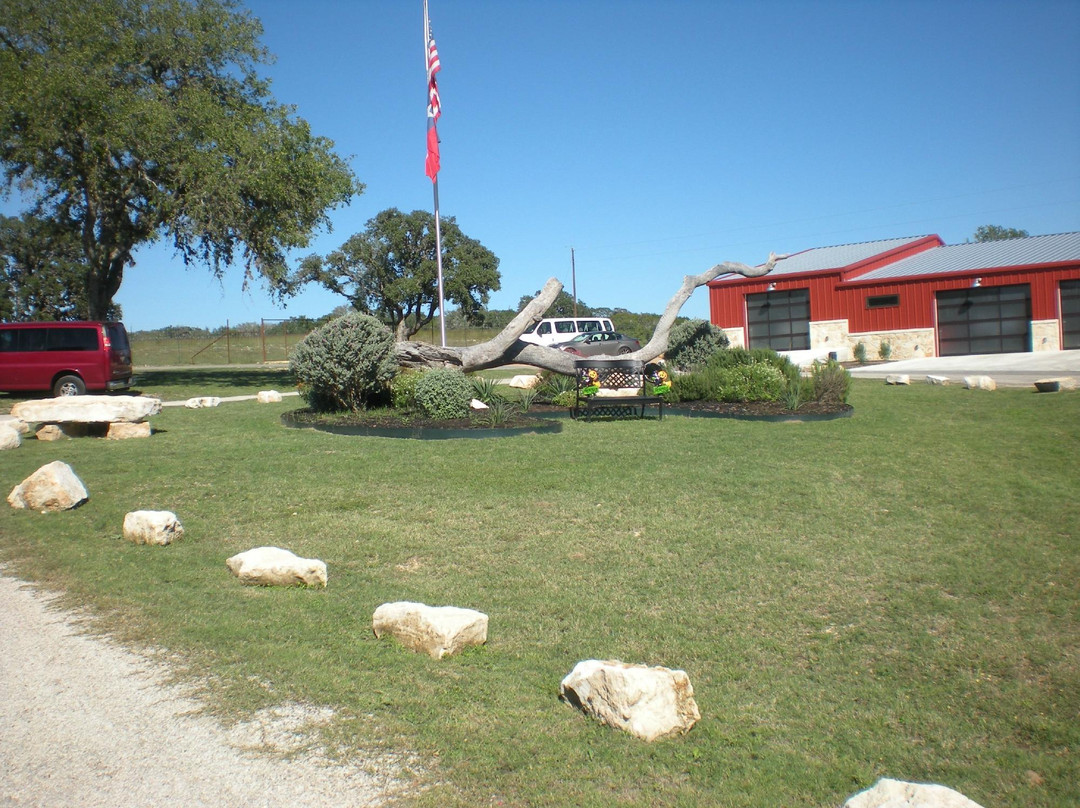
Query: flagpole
[435, 192]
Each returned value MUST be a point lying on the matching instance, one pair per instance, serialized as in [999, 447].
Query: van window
[545, 328]
[73, 339]
[32, 339]
[564, 327]
[589, 326]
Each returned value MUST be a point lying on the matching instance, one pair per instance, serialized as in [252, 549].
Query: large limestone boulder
[524, 382]
[17, 424]
[979, 383]
[940, 381]
[87, 409]
[898, 378]
[152, 527]
[123, 431]
[201, 402]
[53, 487]
[9, 438]
[649, 703]
[433, 630]
[268, 397]
[273, 566]
[50, 432]
[888, 793]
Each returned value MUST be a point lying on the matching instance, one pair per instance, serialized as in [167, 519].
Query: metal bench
[613, 388]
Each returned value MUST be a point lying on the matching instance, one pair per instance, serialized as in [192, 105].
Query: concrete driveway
[1008, 370]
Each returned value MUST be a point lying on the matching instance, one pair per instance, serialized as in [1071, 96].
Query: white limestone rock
[152, 527]
[87, 409]
[437, 631]
[888, 793]
[17, 424]
[273, 566]
[268, 397]
[53, 487]
[123, 431]
[51, 432]
[979, 383]
[199, 402]
[898, 378]
[477, 404]
[9, 438]
[524, 382]
[648, 702]
[941, 381]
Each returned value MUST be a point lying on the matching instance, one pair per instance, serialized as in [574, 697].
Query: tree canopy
[42, 272]
[389, 270]
[127, 121]
[993, 232]
[562, 307]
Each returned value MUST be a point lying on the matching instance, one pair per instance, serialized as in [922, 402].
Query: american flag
[433, 67]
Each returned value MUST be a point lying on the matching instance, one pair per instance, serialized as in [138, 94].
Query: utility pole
[573, 279]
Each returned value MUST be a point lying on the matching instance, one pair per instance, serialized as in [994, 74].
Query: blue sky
[660, 138]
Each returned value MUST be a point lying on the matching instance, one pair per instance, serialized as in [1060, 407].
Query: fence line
[234, 348]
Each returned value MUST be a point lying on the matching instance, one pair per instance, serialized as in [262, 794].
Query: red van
[67, 359]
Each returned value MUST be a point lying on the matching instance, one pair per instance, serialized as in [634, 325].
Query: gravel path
[86, 723]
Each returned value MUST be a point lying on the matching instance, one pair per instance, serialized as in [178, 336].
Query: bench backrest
[611, 374]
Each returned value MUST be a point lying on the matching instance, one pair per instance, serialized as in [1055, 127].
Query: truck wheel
[69, 386]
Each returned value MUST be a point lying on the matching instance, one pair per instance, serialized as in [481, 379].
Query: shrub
[403, 389]
[565, 398]
[695, 386]
[885, 350]
[692, 343]
[346, 364]
[444, 393]
[860, 353]
[553, 384]
[485, 389]
[756, 382]
[831, 383]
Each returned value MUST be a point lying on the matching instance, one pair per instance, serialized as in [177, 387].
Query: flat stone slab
[1055, 383]
[898, 378]
[437, 631]
[87, 409]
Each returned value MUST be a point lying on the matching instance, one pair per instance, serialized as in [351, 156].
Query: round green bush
[444, 393]
[692, 343]
[346, 364]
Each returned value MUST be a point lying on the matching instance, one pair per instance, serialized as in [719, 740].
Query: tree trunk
[507, 348]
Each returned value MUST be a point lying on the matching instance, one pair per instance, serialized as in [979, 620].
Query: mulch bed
[539, 414]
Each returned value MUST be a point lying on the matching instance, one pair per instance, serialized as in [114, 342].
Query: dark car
[606, 343]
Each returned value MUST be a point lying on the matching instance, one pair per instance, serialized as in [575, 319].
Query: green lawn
[894, 594]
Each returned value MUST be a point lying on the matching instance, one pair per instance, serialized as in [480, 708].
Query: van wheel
[69, 386]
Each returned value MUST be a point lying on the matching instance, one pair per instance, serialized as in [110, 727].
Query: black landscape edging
[424, 433]
[777, 418]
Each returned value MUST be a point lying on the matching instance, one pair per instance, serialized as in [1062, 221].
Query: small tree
[390, 271]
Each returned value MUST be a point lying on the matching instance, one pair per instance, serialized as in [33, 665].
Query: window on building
[882, 301]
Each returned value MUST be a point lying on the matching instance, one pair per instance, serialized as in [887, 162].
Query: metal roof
[835, 258]
[1015, 252]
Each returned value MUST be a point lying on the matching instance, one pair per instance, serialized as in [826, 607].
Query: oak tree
[128, 121]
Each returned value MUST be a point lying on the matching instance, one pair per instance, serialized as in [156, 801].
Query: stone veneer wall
[1045, 335]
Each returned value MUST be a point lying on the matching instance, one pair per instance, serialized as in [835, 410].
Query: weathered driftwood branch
[507, 348]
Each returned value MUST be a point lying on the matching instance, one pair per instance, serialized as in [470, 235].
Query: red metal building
[918, 295]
